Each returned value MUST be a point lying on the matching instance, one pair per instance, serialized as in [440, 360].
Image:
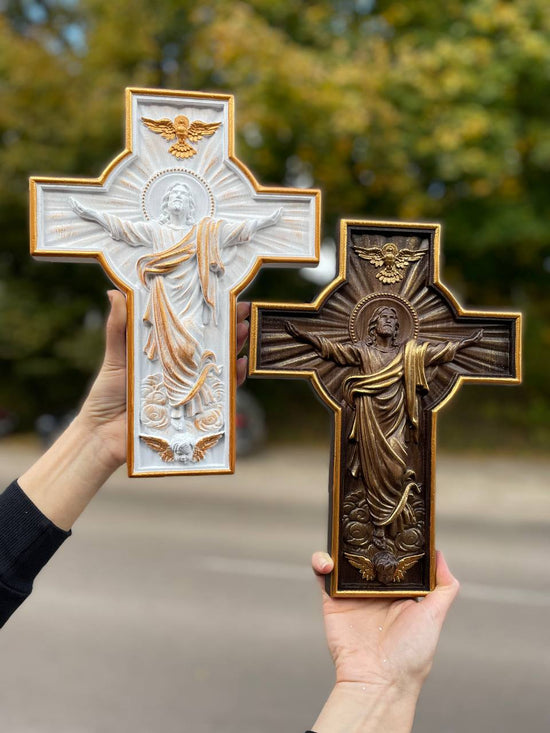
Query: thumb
[322, 564]
[441, 598]
[115, 331]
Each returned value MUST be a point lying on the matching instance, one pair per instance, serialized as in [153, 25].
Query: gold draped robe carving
[386, 414]
[184, 371]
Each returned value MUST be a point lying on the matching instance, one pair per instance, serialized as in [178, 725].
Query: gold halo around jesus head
[159, 184]
[364, 309]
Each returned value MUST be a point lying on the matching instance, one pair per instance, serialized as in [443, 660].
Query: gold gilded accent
[363, 564]
[203, 444]
[404, 564]
[161, 446]
[181, 129]
[390, 258]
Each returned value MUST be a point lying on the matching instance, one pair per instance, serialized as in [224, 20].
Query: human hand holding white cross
[66, 478]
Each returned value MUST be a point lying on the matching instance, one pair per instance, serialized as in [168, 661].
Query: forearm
[65, 479]
[241, 233]
[343, 354]
[357, 708]
[441, 353]
[28, 540]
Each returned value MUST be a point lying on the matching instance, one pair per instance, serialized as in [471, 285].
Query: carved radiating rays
[437, 318]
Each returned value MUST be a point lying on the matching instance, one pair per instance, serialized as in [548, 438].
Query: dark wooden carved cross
[385, 346]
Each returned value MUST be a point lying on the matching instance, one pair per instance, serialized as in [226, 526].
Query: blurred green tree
[405, 110]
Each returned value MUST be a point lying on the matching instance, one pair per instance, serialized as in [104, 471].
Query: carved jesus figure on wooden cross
[181, 230]
[384, 358]
[384, 397]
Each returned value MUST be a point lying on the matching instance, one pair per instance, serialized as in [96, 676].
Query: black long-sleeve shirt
[28, 539]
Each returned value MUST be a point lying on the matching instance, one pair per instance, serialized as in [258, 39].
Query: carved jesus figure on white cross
[187, 258]
[181, 238]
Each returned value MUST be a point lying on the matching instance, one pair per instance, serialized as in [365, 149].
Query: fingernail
[324, 564]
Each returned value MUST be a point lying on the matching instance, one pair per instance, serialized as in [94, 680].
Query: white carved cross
[181, 226]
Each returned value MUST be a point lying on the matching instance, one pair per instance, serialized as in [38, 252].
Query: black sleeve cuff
[28, 539]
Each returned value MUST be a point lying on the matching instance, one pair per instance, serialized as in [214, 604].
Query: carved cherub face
[385, 565]
[183, 450]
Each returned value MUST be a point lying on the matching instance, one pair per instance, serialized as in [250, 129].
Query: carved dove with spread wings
[181, 129]
[392, 260]
[184, 450]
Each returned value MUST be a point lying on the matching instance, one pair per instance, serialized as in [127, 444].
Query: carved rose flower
[410, 540]
[210, 420]
[153, 389]
[356, 533]
[154, 412]
[359, 514]
[155, 416]
[356, 497]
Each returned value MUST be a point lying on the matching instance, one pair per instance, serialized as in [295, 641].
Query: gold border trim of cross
[337, 409]
[87, 255]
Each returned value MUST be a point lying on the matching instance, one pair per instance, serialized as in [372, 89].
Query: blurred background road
[187, 605]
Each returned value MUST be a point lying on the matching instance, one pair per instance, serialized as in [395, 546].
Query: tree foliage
[405, 110]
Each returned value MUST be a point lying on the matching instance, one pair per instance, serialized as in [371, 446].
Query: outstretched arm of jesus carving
[86, 213]
[382, 651]
[270, 221]
[244, 231]
[297, 333]
[136, 234]
[473, 339]
[446, 352]
[343, 354]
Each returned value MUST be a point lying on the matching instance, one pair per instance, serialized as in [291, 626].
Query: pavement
[188, 604]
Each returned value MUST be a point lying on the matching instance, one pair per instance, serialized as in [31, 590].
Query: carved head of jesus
[383, 323]
[177, 205]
